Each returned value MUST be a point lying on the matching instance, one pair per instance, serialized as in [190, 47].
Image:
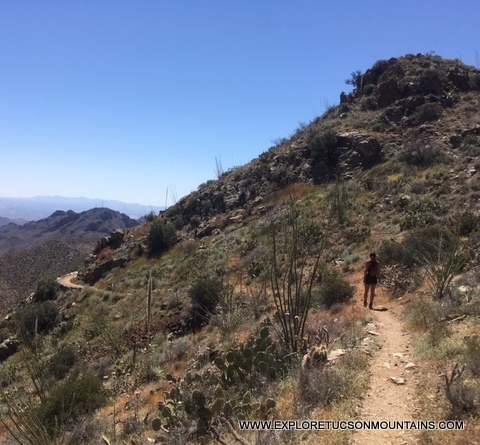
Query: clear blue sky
[126, 99]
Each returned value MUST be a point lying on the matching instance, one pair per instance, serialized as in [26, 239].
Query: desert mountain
[85, 228]
[4, 221]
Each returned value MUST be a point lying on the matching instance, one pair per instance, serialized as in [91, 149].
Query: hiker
[370, 278]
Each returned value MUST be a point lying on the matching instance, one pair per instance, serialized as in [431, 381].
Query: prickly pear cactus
[205, 397]
[259, 354]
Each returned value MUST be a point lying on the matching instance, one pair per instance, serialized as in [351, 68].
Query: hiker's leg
[372, 294]
[365, 296]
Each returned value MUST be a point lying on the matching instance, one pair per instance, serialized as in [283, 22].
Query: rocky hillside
[408, 136]
[417, 103]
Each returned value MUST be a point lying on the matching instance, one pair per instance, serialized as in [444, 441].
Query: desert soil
[393, 374]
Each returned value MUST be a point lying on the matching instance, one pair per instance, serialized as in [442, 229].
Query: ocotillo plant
[297, 245]
[149, 305]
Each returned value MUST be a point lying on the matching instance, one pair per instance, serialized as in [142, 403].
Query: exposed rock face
[358, 150]
[8, 347]
[93, 273]
[388, 92]
[114, 241]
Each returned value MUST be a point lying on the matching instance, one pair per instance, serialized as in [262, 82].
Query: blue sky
[128, 99]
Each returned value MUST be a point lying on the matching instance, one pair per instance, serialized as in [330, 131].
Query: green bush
[47, 289]
[472, 355]
[467, 222]
[59, 365]
[392, 252]
[334, 289]
[323, 149]
[475, 82]
[39, 316]
[77, 396]
[427, 112]
[205, 295]
[425, 240]
[161, 237]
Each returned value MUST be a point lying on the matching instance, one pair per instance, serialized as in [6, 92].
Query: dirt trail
[386, 399]
[66, 281]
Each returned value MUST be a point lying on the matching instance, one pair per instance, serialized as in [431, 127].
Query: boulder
[114, 241]
[366, 145]
[8, 347]
[388, 92]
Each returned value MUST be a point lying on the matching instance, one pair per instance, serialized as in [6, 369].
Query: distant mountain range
[20, 210]
[78, 228]
[51, 246]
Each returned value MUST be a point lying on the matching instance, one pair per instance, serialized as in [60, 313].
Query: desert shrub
[324, 152]
[423, 213]
[150, 217]
[427, 112]
[77, 396]
[61, 362]
[467, 222]
[205, 295]
[392, 253]
[424, 313]
[418, 187]
[430, 82]
[232, 312]
[437, 333]
[176, 349]
[475, 82]
[161, 237]
[36, 316]
[461, 394]
[427, 240]
[334, 289]
[440, 254]
[320, 386]
[420, 153]
[148, 370]
[47, 289]
[472, 355]
[369, 103]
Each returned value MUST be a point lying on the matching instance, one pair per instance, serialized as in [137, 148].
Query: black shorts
[371, 279]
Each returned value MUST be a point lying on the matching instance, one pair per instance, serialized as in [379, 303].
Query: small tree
[296, 250]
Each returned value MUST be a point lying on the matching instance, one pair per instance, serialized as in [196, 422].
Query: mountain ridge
[39, 207]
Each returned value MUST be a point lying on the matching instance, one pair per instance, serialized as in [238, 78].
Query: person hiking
[370, 278]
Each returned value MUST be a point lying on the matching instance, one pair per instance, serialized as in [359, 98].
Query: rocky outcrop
[114, 241]
[8, 347]
[94, 272]
[358, 150]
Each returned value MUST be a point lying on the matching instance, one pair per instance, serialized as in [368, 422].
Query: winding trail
[393, 376]
[66, 281]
